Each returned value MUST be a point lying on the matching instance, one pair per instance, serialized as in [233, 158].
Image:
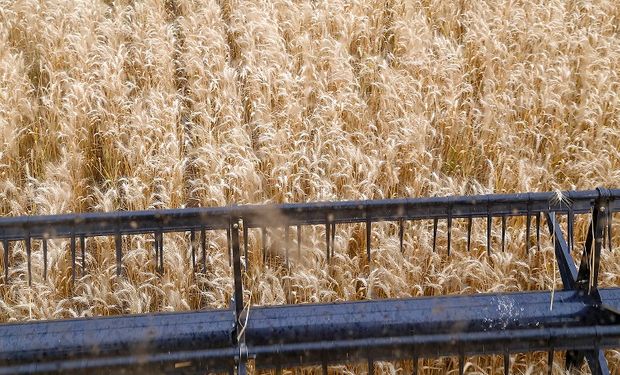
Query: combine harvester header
[584, 319]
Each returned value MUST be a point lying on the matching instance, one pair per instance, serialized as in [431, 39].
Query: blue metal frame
[584, 319]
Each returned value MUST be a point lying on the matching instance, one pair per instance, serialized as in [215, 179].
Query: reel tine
[469, 225]
[245, 246]
[72, 246]
[435, 221]
[119, 252]
[203, 244]
[610, 218]
[286, 245]
[44, 259]
[333, 238]
[604, 244]
[461, 365]
[571, 223]
[6, 260]
[415, 365]
[506, 364]
[28, 244]
[83, 249]
[401, 234]
[192, 245]
[328, 228]
[528, 224]
[229, 246]
[449, 232]
[263, 232]
[503, 233]
[156, 246]
[489, 222]
[538, 218]
[161, 252]
[298, 242]
[368, 235]
[550, 362]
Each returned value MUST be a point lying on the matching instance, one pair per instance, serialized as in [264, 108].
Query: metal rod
[538, 218]
[161, 252]
[449, 232]
[415, 365]
[229, 247]
[571, 230]
[503, 233]
[599, 222]
[241, 369]
[156, 246]
[587, 276]
[44, 241]
[72, 248]
[489, 222]
[245, 247]
[216, 218]
[333, 238]
[203, 245]
[238, 283]
[299, 243]
[263, 232]
[28, 244]
[566, 264]
[6, 260]
[119, 252]
[506, 364]
[286, 245]
[401, 235]
[610, 218]
[550, 362]
[327, 237]
[192, 245]
[604, 238]
[435, 221]
[368, 237]
[461, 365]
[528, 224]
[83, 250]
[469, 225]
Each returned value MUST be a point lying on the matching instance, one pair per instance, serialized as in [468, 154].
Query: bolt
[236, 226]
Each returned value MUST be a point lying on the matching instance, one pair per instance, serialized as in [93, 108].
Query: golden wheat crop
[108, 105]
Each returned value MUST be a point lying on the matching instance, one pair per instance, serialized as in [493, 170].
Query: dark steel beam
[566, 264]
[258, 216]
[294, 335]
[140, 341]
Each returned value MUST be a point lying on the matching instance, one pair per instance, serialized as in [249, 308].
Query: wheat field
[128, 105]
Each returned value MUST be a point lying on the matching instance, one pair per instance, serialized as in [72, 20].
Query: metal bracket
[238, 329]
[585, 280]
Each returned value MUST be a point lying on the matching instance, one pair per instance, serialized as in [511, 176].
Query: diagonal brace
[570, 280]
